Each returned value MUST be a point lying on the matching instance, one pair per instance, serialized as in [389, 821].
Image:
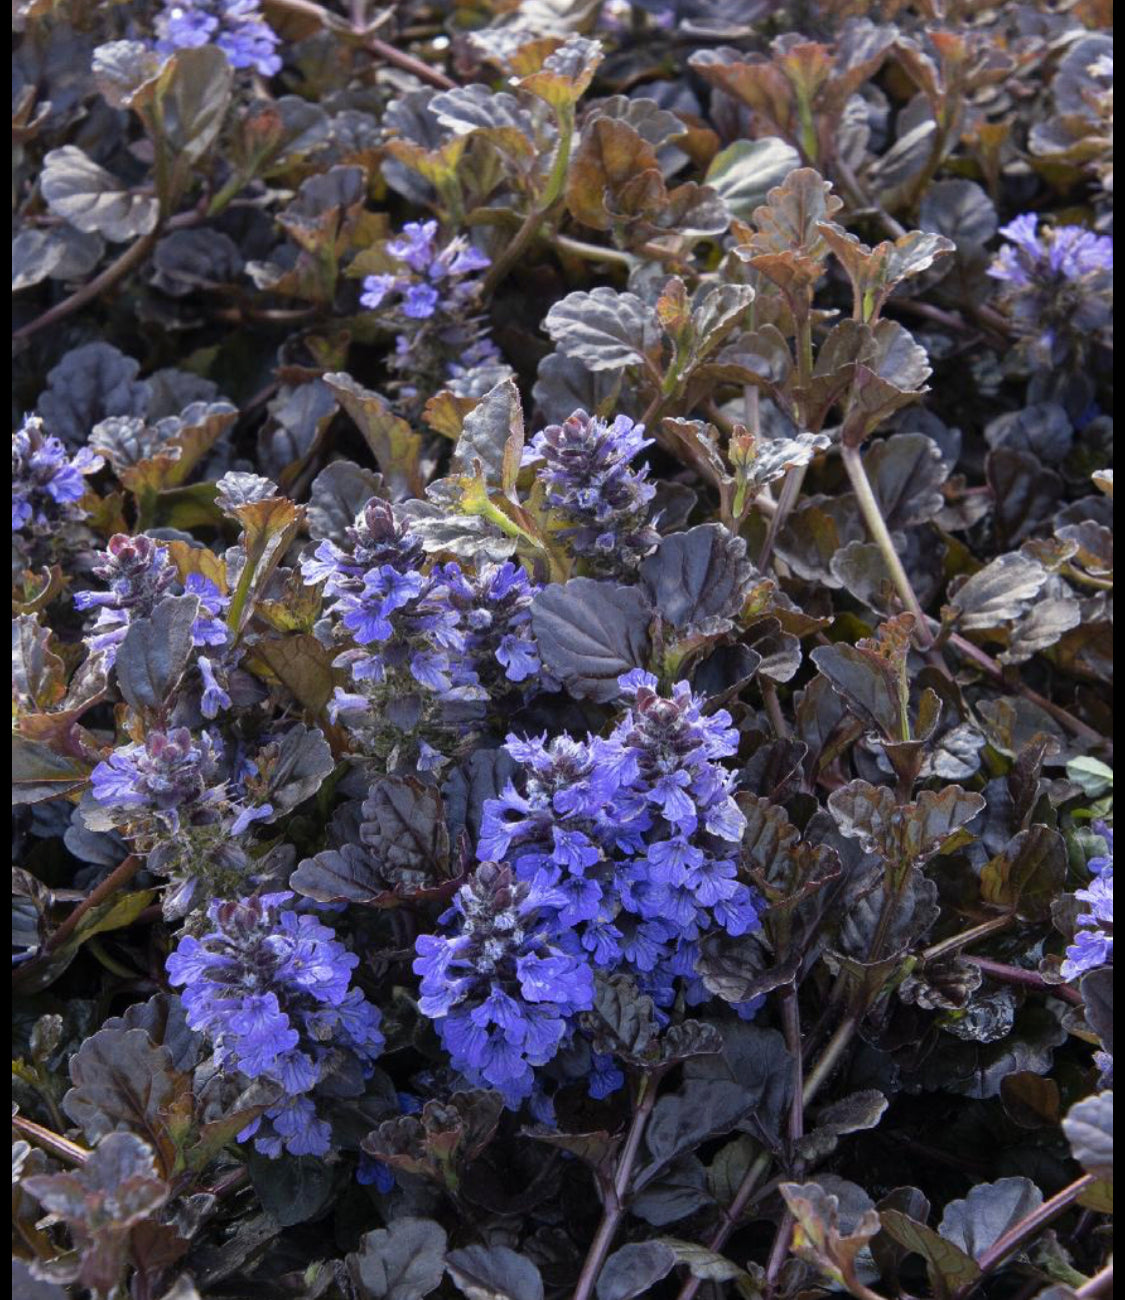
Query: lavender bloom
[431, 296]
[1093, 941]
[180, 802]
[494, 609]
[1057, 284]
[209, 628]
[433, 280]
[453, 636]
[502, 992]
[477, 369]
[166, 778]
[637, 832]
[271, 988]
[237, 27]
[214, 699]
[584, 464]
[383, 601]
[138, 572]
[47, 484]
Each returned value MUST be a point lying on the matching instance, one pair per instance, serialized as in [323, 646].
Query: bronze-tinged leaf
[821, 1238]
[269, 524]
[603, 329]
[565, 74]
[755, 82]
[873, 688]
[492, 436]
[442, 1140]
[445, 413]
[902, 832]
[121, 1079]
[396, 447]
[301, 665]
[893, 378]
[39, 773]
[1028, 875]
[876, 272]
[38, 674]
[948, 1266]
[611, 155]
[786, 243]
[184, 441]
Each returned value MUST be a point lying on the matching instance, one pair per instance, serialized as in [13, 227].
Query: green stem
[967, 937]
[595, 252]
[236, 183]
[731, 1216]
[829, 1059]
[616, 1191]
[241, 595]
[97, 949]
[540, 211]
[1028, 1227]
[880, 535]
[1099, 1286]
[132, 257]
[794, 480]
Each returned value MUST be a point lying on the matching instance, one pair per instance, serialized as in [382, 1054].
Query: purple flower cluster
[1057, 284]
[164, 780]
[139, 573]
[433, 280]
[584, 464]
[431, 297]
[457, 636]
[637, 832]
[1093, 941]
[502, 988]
[179, 801]
[47, 483]
[237, 27]
[271, 988]
[209, 631]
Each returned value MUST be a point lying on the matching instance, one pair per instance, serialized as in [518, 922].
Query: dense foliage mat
[562, 649]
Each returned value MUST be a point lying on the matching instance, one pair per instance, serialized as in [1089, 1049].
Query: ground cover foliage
[562, 649]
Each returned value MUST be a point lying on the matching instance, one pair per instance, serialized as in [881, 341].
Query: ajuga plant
[562, 650]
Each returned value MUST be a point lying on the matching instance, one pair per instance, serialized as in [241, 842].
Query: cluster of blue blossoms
[638, 830]
[434, 294]
[166, 780]
[433, 280]
[271, 989]
[172, 782]
[459, 637]
[624, 849]
[1057, 284]
[1093, 940]
[47, 483]
[584, 464]
[500, 987]
[139, 572]
[237, 27]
